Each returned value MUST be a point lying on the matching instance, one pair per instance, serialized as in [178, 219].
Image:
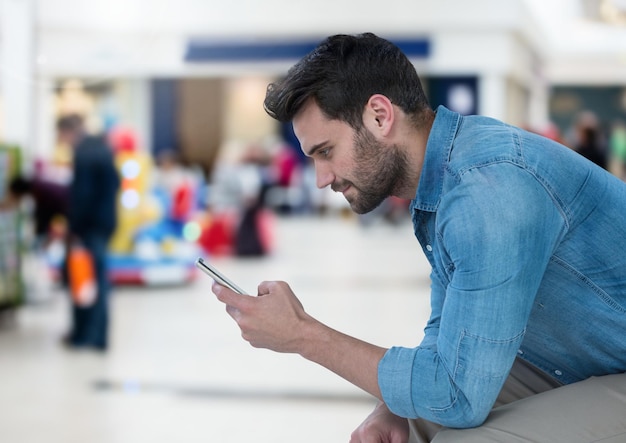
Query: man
[92, 220]
[525, 239]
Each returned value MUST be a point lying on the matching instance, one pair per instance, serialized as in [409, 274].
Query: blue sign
[204, 51]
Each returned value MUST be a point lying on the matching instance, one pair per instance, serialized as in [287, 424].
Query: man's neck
[415, 150]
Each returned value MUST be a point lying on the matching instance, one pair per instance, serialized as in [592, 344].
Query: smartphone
[218, 276]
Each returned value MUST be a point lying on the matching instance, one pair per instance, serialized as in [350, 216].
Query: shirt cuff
[395, 372]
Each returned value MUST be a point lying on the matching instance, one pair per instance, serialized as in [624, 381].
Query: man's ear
[379, 115]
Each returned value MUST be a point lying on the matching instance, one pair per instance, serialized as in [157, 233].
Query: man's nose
[324, 176]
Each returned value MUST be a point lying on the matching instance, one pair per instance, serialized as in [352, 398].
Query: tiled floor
[178, 371]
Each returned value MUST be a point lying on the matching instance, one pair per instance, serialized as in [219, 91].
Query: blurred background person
[589, 141]
[49, 203]
[92, 221]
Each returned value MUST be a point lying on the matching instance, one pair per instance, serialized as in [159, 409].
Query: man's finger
[230, 297]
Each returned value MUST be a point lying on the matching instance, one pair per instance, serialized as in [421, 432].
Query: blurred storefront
[172, 75]
[193, 75]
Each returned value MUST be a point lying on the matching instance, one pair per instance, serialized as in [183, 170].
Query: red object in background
[265, 225]
[217, 237]
[286, 164]
[123, 139]
[182, 202]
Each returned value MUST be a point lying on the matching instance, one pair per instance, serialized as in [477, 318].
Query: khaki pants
[532, 407]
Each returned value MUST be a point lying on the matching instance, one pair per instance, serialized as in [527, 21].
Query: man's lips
[341, 188]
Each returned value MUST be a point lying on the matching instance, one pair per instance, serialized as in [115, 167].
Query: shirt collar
[437, 154]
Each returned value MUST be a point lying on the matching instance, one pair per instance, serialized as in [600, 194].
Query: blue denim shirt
[527, 243]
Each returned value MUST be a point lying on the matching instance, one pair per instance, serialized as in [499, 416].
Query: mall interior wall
[119, 48]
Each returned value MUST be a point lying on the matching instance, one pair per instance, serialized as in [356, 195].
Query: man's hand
[273, 320]
[381, 426]
[276, 320]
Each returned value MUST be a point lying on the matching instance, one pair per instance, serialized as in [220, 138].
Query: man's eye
[324, 152]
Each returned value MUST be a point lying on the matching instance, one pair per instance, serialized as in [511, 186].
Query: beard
[381, 171]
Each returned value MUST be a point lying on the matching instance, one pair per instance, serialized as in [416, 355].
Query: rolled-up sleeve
[395, 372]
[418, 382]
[398, 378]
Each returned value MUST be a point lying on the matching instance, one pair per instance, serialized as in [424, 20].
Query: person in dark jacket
[92, 220]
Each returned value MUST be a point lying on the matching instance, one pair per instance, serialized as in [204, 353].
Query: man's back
[578, 318]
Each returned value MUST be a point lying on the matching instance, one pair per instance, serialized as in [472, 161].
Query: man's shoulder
[93, 141]
[481, 141]
[94, 147]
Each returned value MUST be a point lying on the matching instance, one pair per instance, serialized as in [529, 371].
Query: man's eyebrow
[315, 148]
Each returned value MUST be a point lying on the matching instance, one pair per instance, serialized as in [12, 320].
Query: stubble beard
[381, 171]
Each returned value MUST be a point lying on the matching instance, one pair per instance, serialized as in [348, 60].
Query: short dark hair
[341, 74]
[70, 123]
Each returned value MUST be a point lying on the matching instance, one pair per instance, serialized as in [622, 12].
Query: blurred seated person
[50, 201]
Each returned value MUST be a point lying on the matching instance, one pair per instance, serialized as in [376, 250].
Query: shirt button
[520, 352]
[429, 248]
[557, 372]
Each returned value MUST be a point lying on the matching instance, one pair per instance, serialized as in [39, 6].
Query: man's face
[363, 169]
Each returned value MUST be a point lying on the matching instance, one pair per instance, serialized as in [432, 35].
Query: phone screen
[218, 276]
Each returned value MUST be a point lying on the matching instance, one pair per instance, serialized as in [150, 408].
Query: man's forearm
[276, 320]
[348, 357]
